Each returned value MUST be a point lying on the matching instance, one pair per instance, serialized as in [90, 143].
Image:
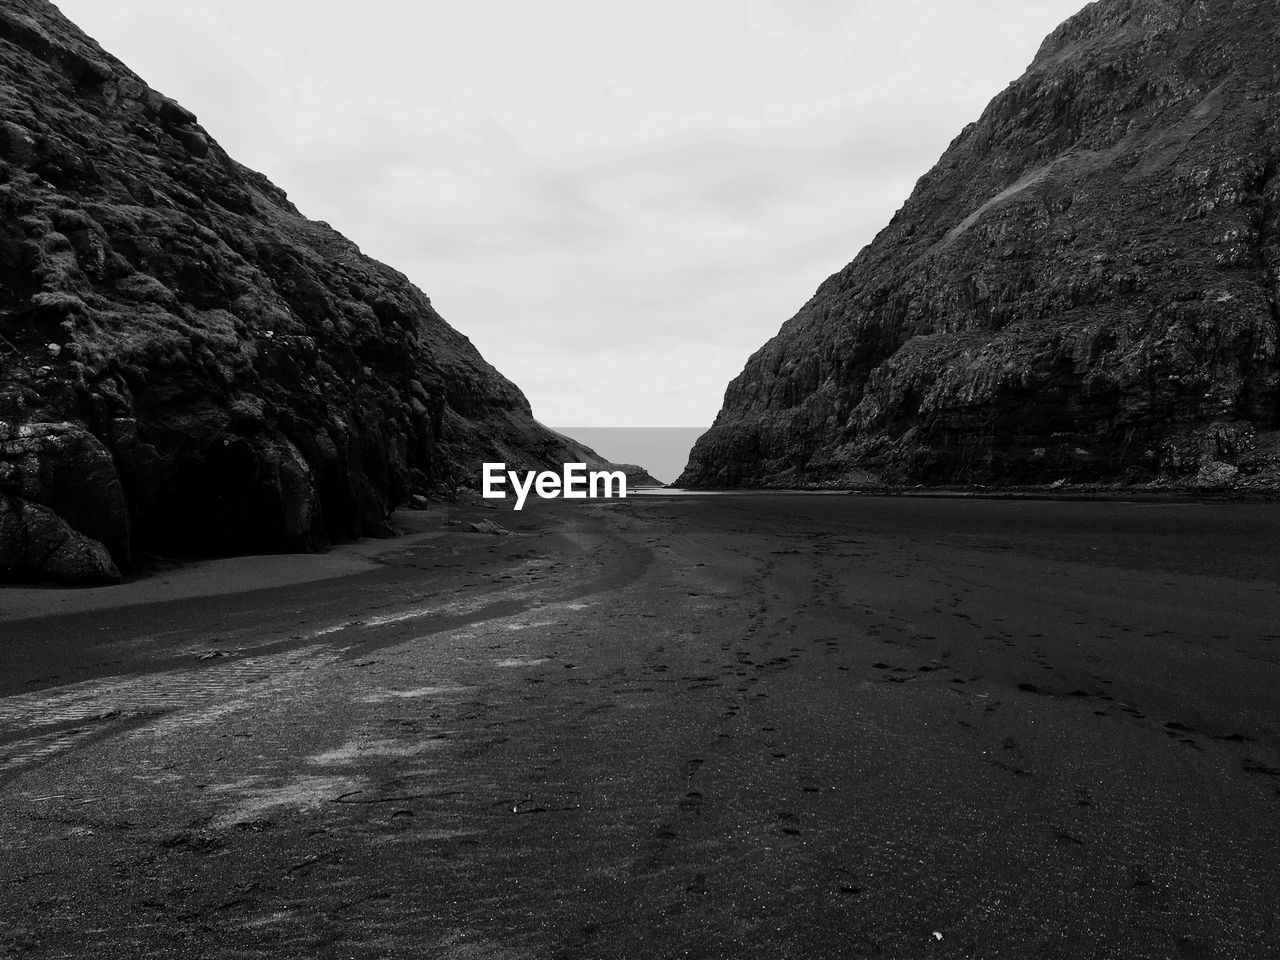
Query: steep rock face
[187, 365]
[1083, 288]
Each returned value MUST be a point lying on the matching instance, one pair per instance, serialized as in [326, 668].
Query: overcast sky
[618, 203]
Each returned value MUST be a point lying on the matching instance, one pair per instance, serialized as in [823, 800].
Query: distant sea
[663, 451]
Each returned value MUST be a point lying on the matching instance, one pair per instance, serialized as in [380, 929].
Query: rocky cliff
[638, 476]
[188, 366]
[1084, 287]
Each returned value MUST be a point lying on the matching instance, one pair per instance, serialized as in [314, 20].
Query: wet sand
[763, 726]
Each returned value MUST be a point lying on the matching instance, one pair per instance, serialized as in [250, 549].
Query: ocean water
[663, 451]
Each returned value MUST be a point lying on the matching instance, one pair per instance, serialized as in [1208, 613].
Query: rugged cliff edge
[638, 476]
[1084, 288]
[187, 365]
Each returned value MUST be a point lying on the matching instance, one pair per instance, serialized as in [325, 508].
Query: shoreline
[198, 578]
[1067, 493]
[203, 577]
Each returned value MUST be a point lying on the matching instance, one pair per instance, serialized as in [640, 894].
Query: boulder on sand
[37, 544]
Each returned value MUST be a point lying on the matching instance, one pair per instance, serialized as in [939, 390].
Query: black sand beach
[751, 726]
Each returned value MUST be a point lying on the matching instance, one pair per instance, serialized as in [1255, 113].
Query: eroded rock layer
[1083, 289]
[189, 366]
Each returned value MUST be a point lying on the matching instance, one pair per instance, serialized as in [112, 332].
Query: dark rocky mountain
[638, 476]
[1084, 287]
[189, 366]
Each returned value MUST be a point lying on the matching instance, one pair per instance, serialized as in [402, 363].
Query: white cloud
[617, 203]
